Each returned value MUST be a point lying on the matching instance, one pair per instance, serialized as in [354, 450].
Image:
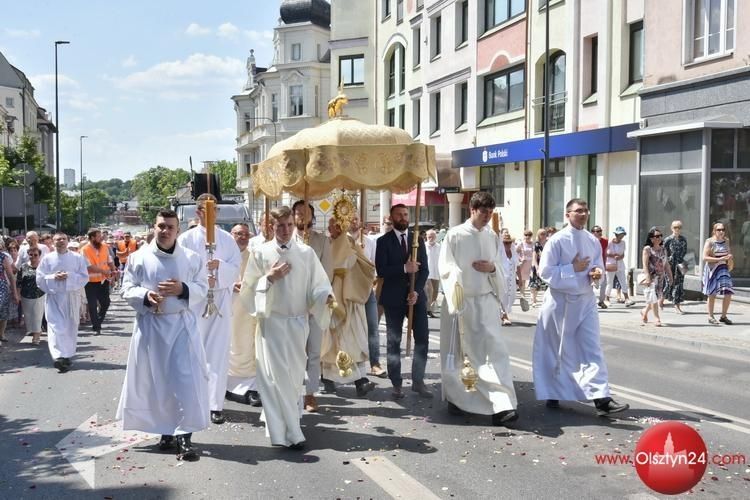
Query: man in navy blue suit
[393, 264]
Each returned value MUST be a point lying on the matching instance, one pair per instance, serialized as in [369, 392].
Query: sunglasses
[656, 236]
[597, 230]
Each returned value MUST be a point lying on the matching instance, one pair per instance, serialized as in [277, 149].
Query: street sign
[443, 190]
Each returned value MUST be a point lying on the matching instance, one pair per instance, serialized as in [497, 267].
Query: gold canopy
[344, 153]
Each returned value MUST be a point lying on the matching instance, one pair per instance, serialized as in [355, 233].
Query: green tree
[68, 213]
[155, 186]
[227, 172]
[98, 206]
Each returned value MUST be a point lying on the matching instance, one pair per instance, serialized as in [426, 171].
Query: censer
[469, 375]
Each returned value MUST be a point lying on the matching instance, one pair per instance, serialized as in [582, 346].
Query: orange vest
[99, 258]
[123, 251]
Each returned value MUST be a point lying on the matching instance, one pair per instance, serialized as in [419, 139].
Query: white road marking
[91, 440]
[393, 480]
[731, 422]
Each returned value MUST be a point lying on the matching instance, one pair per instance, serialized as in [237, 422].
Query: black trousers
[97, 296]
[394, 325]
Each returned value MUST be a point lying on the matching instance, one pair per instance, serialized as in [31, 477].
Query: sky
[149, 82]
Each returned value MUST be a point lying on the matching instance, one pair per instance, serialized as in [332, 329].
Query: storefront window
[722, 148]
[672, 152]
[730, 204]
[668, 197]
[554, 191]
[492, 180]
[591, 188]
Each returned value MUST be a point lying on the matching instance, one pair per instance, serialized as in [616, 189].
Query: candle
[496, 222]
[210, 211]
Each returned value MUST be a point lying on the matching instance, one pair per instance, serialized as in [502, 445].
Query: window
[402, 117]
[274, 108]
[635, 72]
[435, 113]
[594, 66]
[352, 69]
[296, 51]
[386, 9]
[462, 11]
[295, 100]
[248, 123]
[436, 33]
[392, 117]
[462, 103]
[9, 102]
[711, 27]
[554, 193]
[416, 45]
[492, 180]
[399, 11]
[420, 4]
[498, 11]
[730, 148]
[392, 74]
[402, 72]
[503, 92]
[591, 190]
[416, 120]
[558, 94]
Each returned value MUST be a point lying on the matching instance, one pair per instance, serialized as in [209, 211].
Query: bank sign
[603, 140]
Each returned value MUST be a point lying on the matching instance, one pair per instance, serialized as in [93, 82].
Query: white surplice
[241, 376]
[165, 389]
[62, 300]
[282, 310]
[509, 265]
[568, 359]
[216, 330]
[480, 319]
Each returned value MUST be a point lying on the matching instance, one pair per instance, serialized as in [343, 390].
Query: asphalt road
[364, 448]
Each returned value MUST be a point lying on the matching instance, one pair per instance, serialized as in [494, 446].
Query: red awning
[410, 199]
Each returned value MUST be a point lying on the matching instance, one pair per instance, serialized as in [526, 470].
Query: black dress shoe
[166, 442]
[185, 449]
[60, 365]
[504, 417]
[328, 386]
[217, 417]
[253, 398]
[67, 362]
[422, 390]
[364, 386]
[454, 410]
[605, 406]
[297, 446]
[553, 403]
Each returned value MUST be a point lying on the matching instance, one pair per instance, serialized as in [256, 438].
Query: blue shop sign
[588, 142]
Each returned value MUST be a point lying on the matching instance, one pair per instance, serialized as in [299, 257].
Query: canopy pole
[266, 217]
[306, 217]
[362, 213]
[413, 276]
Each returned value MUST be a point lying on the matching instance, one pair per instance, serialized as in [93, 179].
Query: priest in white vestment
[568, 362]
[284, 286]
[216, 329]
[470, 263]
[241, 383]
[353, 274]
[61, 275]
[166, 380]
[322, 246]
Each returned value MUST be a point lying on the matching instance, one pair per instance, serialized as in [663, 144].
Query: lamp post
[80, 139]
[58, 212]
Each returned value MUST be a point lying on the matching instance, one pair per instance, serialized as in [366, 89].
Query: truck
[230, 211]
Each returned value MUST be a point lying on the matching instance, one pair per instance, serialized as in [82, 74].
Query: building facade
[289, 96]
[69, 175]
[694, 141]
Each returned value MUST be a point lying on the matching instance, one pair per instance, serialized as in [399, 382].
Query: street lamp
[80, 139]
[58, 212]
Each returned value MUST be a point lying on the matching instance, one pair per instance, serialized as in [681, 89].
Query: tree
[98, 206]
[227, 172]
[155, 186]
[68, 213]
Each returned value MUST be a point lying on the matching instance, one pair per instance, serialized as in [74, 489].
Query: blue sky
[148, 81]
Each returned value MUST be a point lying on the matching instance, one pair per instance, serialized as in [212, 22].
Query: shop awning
[410, 199]
[587, 142]
[725, 121]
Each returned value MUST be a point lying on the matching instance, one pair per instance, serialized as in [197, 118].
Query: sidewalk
[689, 331]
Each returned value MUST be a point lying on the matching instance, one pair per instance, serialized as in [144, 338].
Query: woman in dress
[8, 292]
[536, 283]
[676, 246]
[509, 260]
[718, 264]
[656, 270]
[32, 297]
[525, 250]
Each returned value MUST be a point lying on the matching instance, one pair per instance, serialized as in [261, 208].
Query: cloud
[190, 78]
[228, 30]
[129, 62]
[16, 33]
[257, 35]
[46, 82]
[195, 29]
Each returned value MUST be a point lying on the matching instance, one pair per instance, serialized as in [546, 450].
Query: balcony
[556, 110]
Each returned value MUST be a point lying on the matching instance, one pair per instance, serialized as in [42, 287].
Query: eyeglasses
[580, 211]
[656, 236]
[597, 231]
[676, 227]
